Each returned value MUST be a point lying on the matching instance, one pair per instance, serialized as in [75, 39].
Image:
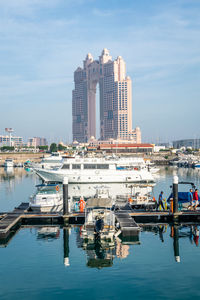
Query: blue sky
[42, 42]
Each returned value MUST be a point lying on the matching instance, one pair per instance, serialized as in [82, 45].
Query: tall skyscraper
[115, 99]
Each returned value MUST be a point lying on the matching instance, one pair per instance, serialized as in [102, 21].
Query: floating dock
[127, 224]
[129, 221]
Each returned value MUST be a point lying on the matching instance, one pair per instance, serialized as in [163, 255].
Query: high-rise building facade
[37, 141]
[115, 99]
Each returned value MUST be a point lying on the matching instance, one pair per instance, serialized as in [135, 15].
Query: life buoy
[57, 188]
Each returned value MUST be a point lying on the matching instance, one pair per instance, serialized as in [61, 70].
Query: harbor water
[42, 262]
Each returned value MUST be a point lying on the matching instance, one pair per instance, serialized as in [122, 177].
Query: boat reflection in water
[48, 232]
[100, 253]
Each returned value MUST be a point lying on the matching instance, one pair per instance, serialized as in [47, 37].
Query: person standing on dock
[195, 199]
[190, 199]
[160, 201]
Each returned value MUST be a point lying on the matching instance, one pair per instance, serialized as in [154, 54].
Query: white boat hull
[46, 209]
[9, 164]
[94, 176]
[47, 203]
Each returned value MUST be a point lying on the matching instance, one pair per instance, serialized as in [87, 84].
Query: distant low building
[135, 140]
[16, 141]
[193, 143]
[159, 148]
[123, 148]
[37, 141]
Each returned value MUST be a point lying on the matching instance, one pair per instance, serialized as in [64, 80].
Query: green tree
[61, 147]
[43, 147]
[53, 147]
[7, 148]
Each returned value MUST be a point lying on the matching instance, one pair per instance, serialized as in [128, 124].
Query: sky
[42, 42]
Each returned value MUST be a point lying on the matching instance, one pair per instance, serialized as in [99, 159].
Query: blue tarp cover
[182, 197]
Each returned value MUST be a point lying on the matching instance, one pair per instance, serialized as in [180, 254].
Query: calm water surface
[54, 263]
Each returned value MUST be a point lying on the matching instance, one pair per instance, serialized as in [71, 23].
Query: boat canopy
[99, 202]
[183, 197]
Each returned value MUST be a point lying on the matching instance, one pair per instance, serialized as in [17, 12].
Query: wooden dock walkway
[11, 220]
[127, 224]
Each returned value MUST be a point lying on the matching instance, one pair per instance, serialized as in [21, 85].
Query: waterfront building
[123, 148]
[115, 99]
[193, 143]
[6, 140]
[136, 138]
[127, 148]
[37, 141]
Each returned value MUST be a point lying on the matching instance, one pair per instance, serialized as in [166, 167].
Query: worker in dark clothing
[160, 201]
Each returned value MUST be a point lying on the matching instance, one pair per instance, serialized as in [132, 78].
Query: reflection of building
[193, 143]
[115, 99]
[37, 141]
[15, 140]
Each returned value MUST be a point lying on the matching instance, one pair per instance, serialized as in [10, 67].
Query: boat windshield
[48, 190]
[51, 161]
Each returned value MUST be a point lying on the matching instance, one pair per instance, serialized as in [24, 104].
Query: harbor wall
[21, 157]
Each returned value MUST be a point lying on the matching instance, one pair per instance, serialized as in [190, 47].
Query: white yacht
[8, 163]
[48, 198]
[99, 170]
[55, 160]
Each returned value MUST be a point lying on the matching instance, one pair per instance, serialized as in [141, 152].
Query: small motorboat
[8, 163]
[99, 217]
[142, 201]
[47, 198]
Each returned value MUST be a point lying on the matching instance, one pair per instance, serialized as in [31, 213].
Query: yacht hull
[96, 177]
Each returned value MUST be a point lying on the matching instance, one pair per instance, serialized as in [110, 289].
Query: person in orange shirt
[81, 204]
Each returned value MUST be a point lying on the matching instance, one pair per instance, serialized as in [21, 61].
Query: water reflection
[48, 233]
[66, 233]
[11, 173]
[10, 177]
[191, 232]
[101, 253]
